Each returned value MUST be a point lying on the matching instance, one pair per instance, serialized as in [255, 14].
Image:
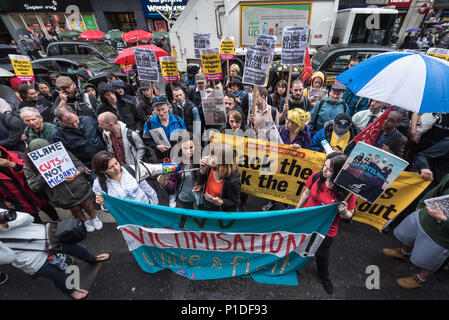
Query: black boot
[327, 285]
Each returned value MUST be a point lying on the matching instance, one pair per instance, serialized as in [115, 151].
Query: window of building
[124, 21]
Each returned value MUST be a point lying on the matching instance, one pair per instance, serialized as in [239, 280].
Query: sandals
[102, 257]
[79, 294]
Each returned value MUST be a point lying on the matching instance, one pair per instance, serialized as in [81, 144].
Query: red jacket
[13, 185]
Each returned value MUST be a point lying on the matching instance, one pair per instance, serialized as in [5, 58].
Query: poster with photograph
[200, 41]
[159, 137]
[369, 171]
[257, 65]
[316, 93]
[146, 63]
[267, 41]
[294, 43]
[214, 108]
[53, 163]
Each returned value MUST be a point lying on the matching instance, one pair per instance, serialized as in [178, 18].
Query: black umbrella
[277, 66]
[101, 77]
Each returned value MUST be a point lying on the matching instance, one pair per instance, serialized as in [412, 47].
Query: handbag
[70, 231]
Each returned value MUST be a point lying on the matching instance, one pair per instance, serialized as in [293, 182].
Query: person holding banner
[296, 132]
[295, 100]
[220, 180]
[321, 190]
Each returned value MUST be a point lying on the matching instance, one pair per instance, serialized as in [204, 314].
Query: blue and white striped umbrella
[409, 80]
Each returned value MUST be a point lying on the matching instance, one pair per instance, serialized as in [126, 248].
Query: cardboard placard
[146, 63]
[210, 59]
[169, 69]
[22, 67]
[257, 65]
[53, 163]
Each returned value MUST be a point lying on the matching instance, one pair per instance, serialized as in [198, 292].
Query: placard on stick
[53, 163]
[294, 43]
[169, 69]
[369, 171]
[210, 59]
[146, 63]
[22, 67]
[200, 41]
[257, 65]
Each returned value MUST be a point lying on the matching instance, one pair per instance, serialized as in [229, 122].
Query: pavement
[354, 253]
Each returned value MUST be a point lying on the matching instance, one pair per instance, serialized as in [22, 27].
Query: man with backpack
[124, 143]
[328, 108]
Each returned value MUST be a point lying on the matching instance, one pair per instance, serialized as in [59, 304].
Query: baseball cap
[118, 84]
[63, 81]
[200, 77]
[157, 100]
[342, 122]
[338, 86]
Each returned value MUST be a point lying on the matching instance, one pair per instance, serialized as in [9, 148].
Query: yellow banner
[278, 172]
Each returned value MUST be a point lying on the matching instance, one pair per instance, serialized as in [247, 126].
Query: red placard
[400, 3]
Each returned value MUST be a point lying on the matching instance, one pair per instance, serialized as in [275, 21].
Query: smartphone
[208, 196]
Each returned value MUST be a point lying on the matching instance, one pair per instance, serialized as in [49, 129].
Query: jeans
[59, 276]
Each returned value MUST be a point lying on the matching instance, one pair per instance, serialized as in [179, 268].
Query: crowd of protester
[106, 128]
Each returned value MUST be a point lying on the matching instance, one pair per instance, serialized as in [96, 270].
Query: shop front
[152, 9]
[45, 17]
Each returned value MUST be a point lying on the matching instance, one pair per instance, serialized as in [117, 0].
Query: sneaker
[395, 253]
[411, 282]
[96, 223]
[89, 226]
[268, 206]
[3, 278]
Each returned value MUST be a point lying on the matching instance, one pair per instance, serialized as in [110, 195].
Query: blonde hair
[223, 169]
[235, 67]
[300, 117]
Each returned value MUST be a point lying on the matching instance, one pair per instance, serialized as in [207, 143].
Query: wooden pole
[227, 68]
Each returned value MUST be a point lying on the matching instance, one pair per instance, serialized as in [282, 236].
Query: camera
[7, 216]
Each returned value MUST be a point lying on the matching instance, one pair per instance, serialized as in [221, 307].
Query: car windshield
[96, 65]
[318, 58]
[105, 50]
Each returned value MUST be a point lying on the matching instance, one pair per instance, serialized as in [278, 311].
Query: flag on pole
[370, 133]
[307, 71]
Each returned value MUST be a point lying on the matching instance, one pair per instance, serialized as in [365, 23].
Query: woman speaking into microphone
[320, 191]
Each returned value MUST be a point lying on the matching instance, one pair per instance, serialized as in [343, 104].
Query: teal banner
[267, 246]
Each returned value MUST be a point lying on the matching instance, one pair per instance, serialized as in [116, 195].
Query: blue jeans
[59, 276]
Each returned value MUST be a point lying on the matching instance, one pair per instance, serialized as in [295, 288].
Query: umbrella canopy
[5, 73]
[137, 35]
[413, 29]
[437, 26]
[276, 66]
[126, 57]
[91, 35]
[410, 80]
[114, 35]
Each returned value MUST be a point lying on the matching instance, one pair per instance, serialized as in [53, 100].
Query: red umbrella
[126, 57]
[91, 35]
[137, 35]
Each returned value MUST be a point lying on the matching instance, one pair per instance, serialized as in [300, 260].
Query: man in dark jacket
[195, 92]
[296, 100]
[183, 107]
[390, 138]
[80, 135]
[82, 103]
[145, 97]
[30, 98]
[124, 109]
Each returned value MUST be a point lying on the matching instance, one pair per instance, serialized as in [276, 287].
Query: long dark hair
[276, 97]
[193, 165]
[100, 163]
[337, 160]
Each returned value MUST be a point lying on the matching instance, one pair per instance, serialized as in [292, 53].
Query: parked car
[334, 59]
[66, 65]
[97, 49]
